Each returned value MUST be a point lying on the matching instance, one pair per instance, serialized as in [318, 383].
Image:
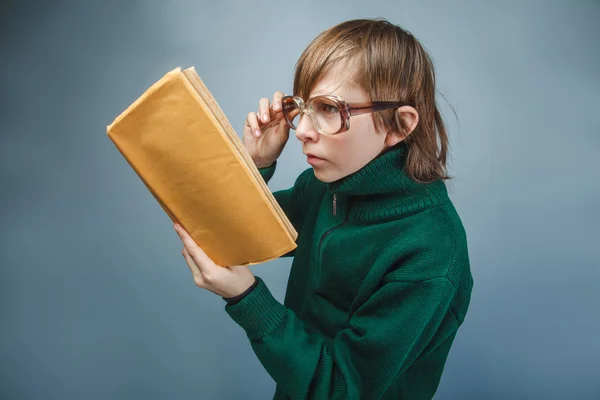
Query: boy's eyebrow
[329, 92]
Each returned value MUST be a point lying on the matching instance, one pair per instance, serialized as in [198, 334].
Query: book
[180, 144]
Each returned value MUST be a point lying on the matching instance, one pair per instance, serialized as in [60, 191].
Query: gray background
[96, 301]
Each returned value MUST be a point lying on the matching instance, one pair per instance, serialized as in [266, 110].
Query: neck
[382, 189]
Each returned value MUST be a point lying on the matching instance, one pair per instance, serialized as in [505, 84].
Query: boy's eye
[327, 108]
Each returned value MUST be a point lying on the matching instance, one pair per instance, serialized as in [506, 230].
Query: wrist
[239, 297]
[260, 165]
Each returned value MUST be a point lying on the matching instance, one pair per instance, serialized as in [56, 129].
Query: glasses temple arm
[380, 106]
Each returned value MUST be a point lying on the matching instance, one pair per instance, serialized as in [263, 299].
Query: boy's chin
[327, 176]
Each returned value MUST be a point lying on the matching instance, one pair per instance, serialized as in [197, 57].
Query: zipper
[323, 237]
[328, 231]
[319, 248]
[334, 203]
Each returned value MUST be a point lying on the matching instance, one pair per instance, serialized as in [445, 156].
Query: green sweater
[378, 287]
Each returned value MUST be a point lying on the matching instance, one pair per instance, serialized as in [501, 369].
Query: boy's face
[347, 152]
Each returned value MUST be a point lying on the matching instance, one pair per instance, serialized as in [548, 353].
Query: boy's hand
[272, 128]
[224, 281]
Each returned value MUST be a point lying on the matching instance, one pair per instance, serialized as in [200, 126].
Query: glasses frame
[346, 109]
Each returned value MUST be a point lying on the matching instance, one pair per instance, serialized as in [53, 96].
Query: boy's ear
[410, 117]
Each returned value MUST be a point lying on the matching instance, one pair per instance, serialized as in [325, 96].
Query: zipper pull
[334, 203]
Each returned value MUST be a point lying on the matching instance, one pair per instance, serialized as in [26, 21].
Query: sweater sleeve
[383, 337]
[290, 200]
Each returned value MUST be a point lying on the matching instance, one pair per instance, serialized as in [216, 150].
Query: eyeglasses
[330, 114]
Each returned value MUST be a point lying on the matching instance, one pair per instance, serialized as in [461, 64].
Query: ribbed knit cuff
[267, 172]
[258, 313]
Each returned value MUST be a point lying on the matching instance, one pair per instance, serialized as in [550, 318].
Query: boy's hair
[389, 64]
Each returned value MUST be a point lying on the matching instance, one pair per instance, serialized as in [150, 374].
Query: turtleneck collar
[382, 189]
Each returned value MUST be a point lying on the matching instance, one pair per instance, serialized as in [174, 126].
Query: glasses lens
[291, 112]
[327, 114]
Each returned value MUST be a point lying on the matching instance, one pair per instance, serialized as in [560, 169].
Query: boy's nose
[305, 129]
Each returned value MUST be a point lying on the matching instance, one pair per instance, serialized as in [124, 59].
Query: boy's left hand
[224, 281]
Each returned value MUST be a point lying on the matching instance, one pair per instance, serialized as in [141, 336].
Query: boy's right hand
[273, 131]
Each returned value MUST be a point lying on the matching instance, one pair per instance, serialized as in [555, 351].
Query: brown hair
[389, 64]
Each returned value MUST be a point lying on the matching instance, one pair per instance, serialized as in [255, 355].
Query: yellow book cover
[178, 141]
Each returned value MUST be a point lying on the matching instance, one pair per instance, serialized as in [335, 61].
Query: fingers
[266, 113]
[277, 100]
[190, 262]
[199, 279]
[253, 124]
[263, 109]
[198, 256]
[269, 112]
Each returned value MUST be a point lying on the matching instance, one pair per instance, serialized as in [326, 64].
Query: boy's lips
[314, 160]
[313, 155]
